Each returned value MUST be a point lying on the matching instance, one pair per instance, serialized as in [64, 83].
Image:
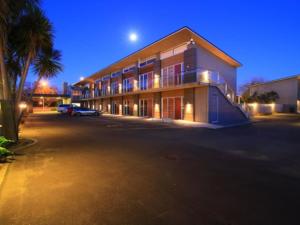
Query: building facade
[288, 89]
[180, 77]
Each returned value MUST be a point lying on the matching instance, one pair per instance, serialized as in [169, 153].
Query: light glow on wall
[156, 81]
[205, 76]
[120, 109]
[135, 85]
[135, 109]
[156, 108]
[188, 108]
[120, 88]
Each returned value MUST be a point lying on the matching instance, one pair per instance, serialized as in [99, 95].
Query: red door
[177, 74]
[178, 108]
[171, 108]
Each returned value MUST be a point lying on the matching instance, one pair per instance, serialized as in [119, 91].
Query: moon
[133, 37]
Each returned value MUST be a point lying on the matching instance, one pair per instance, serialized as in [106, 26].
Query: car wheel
[78, 114]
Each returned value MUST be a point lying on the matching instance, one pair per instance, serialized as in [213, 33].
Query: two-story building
[182, 76]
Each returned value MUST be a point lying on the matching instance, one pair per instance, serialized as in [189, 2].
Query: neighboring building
[287, 88]
[74, 92]
[181, 76]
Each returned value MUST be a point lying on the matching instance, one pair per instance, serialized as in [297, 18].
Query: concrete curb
[34, 141]
[235, 125]
[5, 167]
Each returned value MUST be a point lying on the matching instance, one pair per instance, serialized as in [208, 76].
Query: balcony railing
[197, 76]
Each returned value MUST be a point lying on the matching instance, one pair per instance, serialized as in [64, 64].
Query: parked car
[80, 111]
[63, 108]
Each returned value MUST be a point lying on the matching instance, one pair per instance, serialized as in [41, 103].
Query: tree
[245, 88]
[46, 65]
[26, 34]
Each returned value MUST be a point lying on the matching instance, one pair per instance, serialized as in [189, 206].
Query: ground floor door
[114, 107]
[172, 107]
[127, 107]
[145, 107]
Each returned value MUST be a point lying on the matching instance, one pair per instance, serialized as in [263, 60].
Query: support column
[136, 105]
[157, 72]
[157, 105]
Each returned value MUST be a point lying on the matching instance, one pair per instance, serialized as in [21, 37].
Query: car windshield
[64, 105]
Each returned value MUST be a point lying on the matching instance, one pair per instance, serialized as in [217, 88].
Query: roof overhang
[174, 39]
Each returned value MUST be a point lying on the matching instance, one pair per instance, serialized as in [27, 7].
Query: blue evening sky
[263, 35]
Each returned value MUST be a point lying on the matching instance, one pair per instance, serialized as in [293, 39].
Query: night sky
[263, 35]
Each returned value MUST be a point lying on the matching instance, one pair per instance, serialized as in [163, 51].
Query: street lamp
[44, 83]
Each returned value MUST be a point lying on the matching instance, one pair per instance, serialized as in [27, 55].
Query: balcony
[164, 82]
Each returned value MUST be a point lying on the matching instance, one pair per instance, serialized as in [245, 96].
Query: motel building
[179, 77]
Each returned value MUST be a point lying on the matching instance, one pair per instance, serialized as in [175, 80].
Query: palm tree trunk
[9, 126]
[23, 79]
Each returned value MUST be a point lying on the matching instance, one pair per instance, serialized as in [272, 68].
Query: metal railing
[196, 76]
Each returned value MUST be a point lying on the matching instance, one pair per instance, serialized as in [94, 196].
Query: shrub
[4, 142]
[5, 152]
[266, 97]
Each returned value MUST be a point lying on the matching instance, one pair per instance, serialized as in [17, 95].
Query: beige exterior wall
[286, 89]
[211, 62]
[201, 104]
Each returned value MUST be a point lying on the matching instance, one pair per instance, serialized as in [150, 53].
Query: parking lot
[110, 170]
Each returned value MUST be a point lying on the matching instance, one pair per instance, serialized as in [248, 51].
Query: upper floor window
[128, 84]
[115, 87]
[128, 69]
[172, 75]
[174, 51]
[104, 88]
[116, 74]
[146, 81]
[147, 61]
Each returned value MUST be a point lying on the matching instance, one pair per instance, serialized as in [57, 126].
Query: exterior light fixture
[44, 83]
[22, 105]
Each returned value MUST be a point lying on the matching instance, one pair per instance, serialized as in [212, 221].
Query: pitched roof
[178, 37]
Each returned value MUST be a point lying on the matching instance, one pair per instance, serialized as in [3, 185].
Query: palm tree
[34, 34]
[25, 34]
[46, 65]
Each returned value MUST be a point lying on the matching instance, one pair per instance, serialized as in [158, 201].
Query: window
[114, 87]
[172, 75]
[105, 87]
[128, 69]
[173, 51]
[128, 84]
[116, 74]
[145, 81]
[147, 61]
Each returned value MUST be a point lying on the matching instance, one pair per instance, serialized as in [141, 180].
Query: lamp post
[44, 84]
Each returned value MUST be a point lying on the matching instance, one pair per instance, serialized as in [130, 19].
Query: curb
[4, 170]
[34, 141]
